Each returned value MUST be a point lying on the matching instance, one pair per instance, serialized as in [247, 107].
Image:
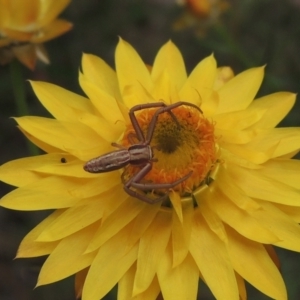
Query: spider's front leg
[135, 123]
[161, 111]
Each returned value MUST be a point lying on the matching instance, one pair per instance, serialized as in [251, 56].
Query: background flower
[224, 237]
[26, 25]
[200, 14]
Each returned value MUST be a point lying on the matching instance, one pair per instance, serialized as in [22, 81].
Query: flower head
[25, 25]
[219, 224]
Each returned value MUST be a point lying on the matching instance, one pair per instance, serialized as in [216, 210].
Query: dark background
[248, 34]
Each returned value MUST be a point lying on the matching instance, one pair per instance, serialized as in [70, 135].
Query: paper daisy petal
[245, 85]
[170, 61]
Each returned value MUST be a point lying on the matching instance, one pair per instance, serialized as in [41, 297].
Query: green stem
[18, 86]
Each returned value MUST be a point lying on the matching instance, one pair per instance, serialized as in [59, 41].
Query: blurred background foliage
[240, 33]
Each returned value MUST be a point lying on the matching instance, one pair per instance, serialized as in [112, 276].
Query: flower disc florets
[179, 147]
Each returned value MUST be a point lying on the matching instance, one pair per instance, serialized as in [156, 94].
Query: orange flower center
[179, 148]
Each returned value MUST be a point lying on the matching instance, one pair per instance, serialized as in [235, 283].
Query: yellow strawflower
[26, 25]
[219, 225]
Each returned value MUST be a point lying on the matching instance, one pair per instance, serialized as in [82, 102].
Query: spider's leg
[144, 197]
[134, 182]
[118, 146]
[168, 108]
[132, 137]
[137, 177]
[135, 123]
[155, 186]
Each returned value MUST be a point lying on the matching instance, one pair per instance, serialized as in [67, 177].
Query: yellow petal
[235, 136]
[209, 106]
[292, 211]
[40, 144]
[17, 35]
[125, 287]
[181, 231]
[136, 94]
[106, 104]
[198, 86]
[97, 71]
[287, 230]
[31, 169]
[29, 247]
[255, 266]
[24, 167]
[68, 257]
[238, 120]
[109, 131]
[176, 203]
[275, 106]
[213, 221]
[79, 216]
[22, 15]
[165, 90]
[61, 103]
[210, 255]
[243, 221]
[49, 10]
[224, 74]
[61, 165]
[239, 92]
[234, 193]
[100, 83]
[109, 266]
[41, 194]
[236, 160]
[285, 140]
[255, 185]
[142, 222]
[253, 156]
[291, 174]
[117, 220]
[170, 61]
[180, 282]
[152, 245]
[130, 68]
[52, 30]
[71, 137]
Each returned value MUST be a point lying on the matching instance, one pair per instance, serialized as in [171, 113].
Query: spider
[139, 154]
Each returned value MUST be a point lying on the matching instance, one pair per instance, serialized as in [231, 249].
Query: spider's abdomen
[135, 155]
[108, 162]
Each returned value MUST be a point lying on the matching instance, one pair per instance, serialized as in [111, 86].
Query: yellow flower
[219, 225]
[25, 25]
